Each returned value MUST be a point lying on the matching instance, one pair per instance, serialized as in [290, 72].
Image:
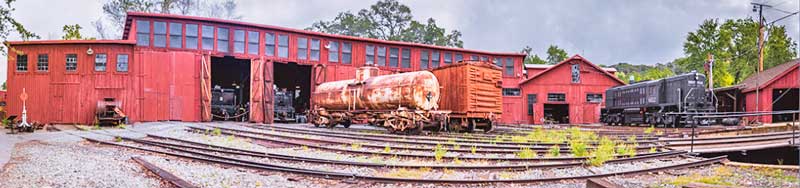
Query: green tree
[532, 58]
[73, 32]
[389, 20]
[9, 24]
[555, 54]
[779, 48]
[115, 11]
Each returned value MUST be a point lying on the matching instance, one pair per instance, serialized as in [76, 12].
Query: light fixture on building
[89, 51]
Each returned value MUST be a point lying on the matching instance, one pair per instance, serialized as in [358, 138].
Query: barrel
[412, 90]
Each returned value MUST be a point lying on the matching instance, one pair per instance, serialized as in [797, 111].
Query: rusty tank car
[399, 102]
[458, 97]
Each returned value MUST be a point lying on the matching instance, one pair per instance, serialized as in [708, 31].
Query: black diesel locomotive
[670, 102]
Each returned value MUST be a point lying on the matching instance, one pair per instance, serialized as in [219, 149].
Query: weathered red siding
[786, 79]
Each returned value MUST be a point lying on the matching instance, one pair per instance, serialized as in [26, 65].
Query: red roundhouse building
[165, 66]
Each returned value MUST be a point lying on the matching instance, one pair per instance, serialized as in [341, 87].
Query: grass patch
[216, 132]
[439, 152]
[387, 149]
[474, 149]
[355, 146]
[603, 153]
[578, 148]
[721, 176]
[121, 126]
[649, 130]
[525, 153]
[554, 151]
[407, 173]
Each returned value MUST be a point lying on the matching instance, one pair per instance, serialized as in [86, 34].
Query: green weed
[439, 152]
[603, 153]
[525, 153]
[554, 151]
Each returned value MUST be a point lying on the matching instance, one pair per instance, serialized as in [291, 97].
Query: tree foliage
[389, 20]
[115, 11]
[555, 54]
[73, 32]
[9, 24]
[734, 45]
[532, 58]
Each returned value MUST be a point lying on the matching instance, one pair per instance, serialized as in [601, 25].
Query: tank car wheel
[347, 123]
[489, 126]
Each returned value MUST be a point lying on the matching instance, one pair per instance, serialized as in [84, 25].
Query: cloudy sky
[604, 31]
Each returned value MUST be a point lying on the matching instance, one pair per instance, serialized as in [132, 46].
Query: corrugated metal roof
[300, 31]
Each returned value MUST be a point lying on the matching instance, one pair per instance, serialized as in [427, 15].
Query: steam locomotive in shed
[460, 97]
[671, 102]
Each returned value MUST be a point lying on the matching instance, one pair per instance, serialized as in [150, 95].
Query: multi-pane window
[269, 44]
[381, 56]
[498, 62]
[252, 42]
[594, 97]
[333, 51]
[142, 33]
[122, 62]
[302, 48]
[283, 46]
[406, 58]
[315, 49]
[72, 62]
[208, 37]
[370, 54]
[22, 62]
[511, 92]
[576, 73]
[222, 39]
[484, 58]
[423, 59]
[531, 102]
[473, 57]
[459, 57]
[238, 41]
[191, 36]
[100, 62]
[393, 56]
[347, 52]
[43, 62]
[435, 59]
[556, 97]
[448, 58]
[509, 67]
[175, 32]
[160, 34]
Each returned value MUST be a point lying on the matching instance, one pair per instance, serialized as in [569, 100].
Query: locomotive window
[160, 34]
[208, 37]
[576, 73]
[238, 41]
[459, 57]
[100, 62]
[315, 49]
[381, 56]
[269, 44]
[448, 58]
[594, 98]
[423, 59]
[511, 92]
[175, 32]
[556, 97]
[122, 63]
[72, 62]
[531, 102]
[42, 64]
[435, 59]
[346, 52]
[406, 58]
[333, 51]
[252, 42]
[302, 48]
[191, 36]
[509, 67]
[142, 33]
[283, 45]
[370, 54]
[393, 55]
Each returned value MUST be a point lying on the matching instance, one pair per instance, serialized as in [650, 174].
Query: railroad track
[163, 174]
[724, 143]
[216, 158]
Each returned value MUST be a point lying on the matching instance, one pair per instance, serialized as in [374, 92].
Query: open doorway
[784, 99]
[556, 113]
[230, 88]
[292, 91]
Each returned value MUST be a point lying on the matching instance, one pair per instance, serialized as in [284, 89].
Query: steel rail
[729, 137]
[518, 166]
[327, 174]
[732, 141]
[163, 174]
[396, 154]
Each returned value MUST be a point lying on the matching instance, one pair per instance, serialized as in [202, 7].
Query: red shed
[778, 90]
[568, 92]
[170, 64]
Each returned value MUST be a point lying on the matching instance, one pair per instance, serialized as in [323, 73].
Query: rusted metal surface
[169, 177]
[471, 89]
[413, 90]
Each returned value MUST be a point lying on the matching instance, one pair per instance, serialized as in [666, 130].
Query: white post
[24, 111]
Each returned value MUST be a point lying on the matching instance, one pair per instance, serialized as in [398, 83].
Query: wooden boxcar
[472, 92]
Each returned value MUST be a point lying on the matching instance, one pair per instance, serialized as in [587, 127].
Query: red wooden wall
[786, 79]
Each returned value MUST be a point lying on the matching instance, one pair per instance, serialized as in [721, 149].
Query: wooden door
[256, 91]
[205, 88]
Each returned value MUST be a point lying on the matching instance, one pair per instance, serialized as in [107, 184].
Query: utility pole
[759, 7]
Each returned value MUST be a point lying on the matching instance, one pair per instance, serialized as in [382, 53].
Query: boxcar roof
[132, 15]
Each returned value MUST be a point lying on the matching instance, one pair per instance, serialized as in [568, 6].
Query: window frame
[22, 64]
[424, 59]
[270, 44]
[171, 35]
[396, 57]
[333, 51]
[511, 92]
[237, 42]
[474, 57]
[157, 35]
[104, 63]
[249, 44]
[381, 57]
[197, 38]
[593, 96]
[458, 57]
[405, 58]
[219, 40]
[282, 46]
[435, 59]
[127, 63]
[531, 100]
[447, 60]
[67, 63]
[301, 50]
[311, 49]
[575, 73]
[508, 69]
[210, 36]
[346, 55]
[39, 63]
[139, 33]
[563, 97]
[369, 54]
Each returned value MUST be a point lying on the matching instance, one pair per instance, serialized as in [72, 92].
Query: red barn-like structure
[778, 90]
[165, 66]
